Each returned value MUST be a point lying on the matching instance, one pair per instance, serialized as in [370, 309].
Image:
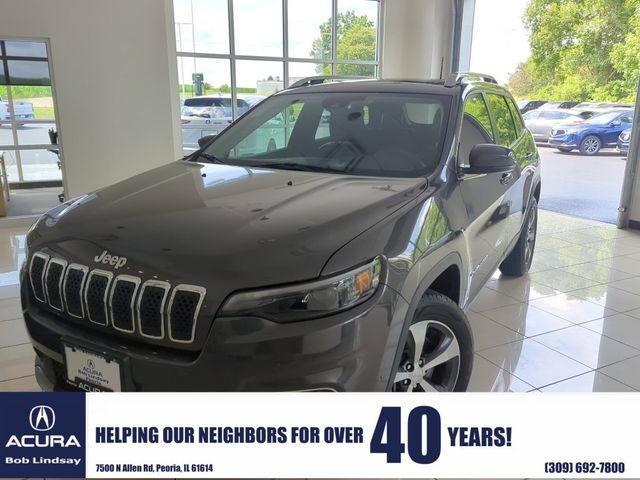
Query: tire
[446, 335]
[564, 149]
[518, 262]
[590, 145]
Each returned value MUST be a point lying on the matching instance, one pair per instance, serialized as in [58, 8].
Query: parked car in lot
[341, 260]
[212, 106]
[540, 121]
[22, 110]
[526, 105]
[623, 141]
[206, 115]
[600, 131]
[555, 105]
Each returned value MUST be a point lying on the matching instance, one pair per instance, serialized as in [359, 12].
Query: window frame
[285, 58]
[17, 147]
[464, 162]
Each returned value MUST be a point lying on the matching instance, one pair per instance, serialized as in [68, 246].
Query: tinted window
[203, 102]
[348, 133]
[505, 128]
[476, 127]
[626, 119]
[476, 111]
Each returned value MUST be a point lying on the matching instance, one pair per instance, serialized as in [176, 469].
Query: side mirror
[490, 158]
[616, 123]
[206, 140]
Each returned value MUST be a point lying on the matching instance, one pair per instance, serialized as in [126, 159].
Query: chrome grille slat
[150, 308]
[184, 307]
[36, 275]
[53, 282]
[121, 302]
[73, 288]
[95, 296]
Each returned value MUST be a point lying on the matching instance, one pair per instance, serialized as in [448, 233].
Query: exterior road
[587, 187]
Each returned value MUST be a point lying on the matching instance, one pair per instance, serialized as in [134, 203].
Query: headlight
[309, 300]
[571, 131]
[625, 137]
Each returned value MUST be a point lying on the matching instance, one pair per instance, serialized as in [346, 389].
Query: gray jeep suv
[340, 260]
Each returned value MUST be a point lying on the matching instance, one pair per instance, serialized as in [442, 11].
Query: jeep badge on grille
[113, 260]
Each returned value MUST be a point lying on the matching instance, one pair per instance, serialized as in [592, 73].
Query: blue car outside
[599, 131]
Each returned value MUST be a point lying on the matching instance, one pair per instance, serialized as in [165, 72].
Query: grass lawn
[43, 112]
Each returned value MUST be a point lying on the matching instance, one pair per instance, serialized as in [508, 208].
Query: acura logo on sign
[42, 418]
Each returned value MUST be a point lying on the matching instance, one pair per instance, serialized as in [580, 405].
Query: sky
[500, 40]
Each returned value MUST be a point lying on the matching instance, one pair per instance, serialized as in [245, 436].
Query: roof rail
[317, 80]
[458, 78]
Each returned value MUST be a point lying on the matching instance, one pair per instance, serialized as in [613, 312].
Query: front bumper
[623, 146]
[343, 352]
[568, 140]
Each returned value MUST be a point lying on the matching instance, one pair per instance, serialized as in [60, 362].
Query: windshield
[378, 134]
[603, 118]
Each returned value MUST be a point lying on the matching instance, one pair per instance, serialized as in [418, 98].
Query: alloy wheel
[531, 236]
[591, 145]
[430, 361]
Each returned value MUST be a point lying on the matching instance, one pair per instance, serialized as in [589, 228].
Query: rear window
[206, 102]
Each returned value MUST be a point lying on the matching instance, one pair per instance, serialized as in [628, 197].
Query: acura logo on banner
[42, 418]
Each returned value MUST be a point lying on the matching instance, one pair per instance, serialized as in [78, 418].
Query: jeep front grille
[95, 296]
[53, 282]
[123, 302]
[123, 295]
[150, 309]
[184, 303]
[73, 287]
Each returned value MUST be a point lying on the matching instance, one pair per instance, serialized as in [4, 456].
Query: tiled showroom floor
[572, 324]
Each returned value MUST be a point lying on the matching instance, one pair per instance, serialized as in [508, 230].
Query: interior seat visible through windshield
[358, 134]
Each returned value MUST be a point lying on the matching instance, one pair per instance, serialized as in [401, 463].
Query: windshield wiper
[296, 166]
[207, 156]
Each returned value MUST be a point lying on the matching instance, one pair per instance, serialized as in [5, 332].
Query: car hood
[224, 227]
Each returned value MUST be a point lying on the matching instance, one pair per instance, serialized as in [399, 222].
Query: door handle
[506, 178]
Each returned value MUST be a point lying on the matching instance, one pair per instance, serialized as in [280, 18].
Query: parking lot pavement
[582, 186]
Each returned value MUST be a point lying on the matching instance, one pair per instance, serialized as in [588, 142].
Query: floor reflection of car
[599, 131]
[623, 141]
[539, 122]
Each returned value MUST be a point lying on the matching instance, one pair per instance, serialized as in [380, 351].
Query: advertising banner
[319, 435]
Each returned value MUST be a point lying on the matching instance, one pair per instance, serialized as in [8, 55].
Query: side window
[626, 119]
[505, 127]
[476, 110]
[322, 131]
[476, 126]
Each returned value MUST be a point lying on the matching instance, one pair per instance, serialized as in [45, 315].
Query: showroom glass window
[28, 130]
[245, 50]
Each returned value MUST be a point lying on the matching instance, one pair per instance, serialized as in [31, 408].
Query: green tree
[356, 40]
[225, 88]
[581, 50]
